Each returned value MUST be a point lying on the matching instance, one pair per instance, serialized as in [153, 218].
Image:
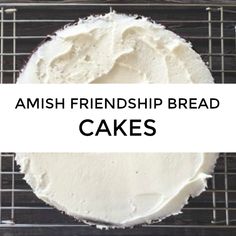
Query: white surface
[121, 189]
[118, 189]
[115, 49]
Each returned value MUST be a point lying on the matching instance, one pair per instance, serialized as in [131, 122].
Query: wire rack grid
[210, 28]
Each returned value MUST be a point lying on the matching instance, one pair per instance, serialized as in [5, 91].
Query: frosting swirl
[115, 49]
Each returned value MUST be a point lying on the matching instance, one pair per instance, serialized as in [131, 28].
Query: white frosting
[118, 190]
[115, 49]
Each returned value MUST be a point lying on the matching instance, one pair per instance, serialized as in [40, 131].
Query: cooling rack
[210, 28]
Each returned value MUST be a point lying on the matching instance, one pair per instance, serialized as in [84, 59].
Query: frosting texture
[115, 48]
[116, 189]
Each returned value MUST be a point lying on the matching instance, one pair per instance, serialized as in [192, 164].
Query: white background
[177, 130]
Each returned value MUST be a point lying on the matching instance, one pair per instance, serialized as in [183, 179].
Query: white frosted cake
[115, 49]
[116, 189]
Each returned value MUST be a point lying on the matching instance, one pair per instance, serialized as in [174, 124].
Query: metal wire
[217, 206]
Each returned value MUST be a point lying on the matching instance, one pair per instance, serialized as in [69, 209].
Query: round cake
[116, 190]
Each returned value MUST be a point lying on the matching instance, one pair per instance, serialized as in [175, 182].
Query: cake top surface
[116, 189]
[115, 48]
